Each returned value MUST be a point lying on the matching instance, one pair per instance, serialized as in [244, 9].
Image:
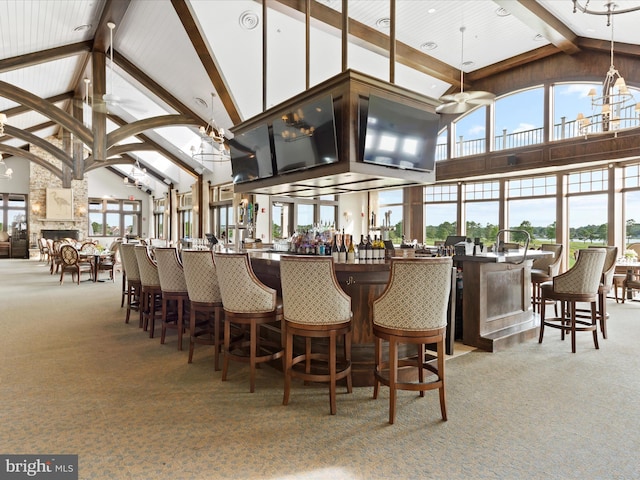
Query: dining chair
[151, 292]
[606, 284]
[175, 298]
[250, 305]
[205, 302]
[70, 262]
[412, 309]
[315, 307]
[131, 275]
[579, 284]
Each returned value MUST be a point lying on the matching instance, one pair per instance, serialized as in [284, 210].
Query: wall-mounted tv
[397, 135]
[251, 157]
[306, 136]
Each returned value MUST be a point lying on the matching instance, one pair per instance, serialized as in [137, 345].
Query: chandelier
[616, 108]
[212, 142]
[137, 177]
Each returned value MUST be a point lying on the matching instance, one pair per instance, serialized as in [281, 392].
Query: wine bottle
[351, 251]
[334, 249]
[368, 249]
[342, 251]
[361, 248]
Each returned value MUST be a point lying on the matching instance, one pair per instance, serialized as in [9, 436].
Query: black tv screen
[306, 136]
[398, 135]
[251, 155]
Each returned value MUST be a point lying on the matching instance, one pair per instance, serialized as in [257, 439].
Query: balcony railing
[561, 131]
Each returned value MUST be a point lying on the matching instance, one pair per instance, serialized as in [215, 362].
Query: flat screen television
[251, 156]
[397, 135]
[306, 137]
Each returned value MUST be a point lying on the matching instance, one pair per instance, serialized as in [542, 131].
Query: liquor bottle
[351, 251]
[377, 253]
[334, 249]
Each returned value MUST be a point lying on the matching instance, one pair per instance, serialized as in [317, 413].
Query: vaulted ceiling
[179, 64]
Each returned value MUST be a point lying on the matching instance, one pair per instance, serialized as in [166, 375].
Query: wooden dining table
[97, 258]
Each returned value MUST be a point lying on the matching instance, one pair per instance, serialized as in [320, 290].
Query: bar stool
[314, 306]
[132, 275]
[543, 270]
[619, 281]
[606, 283]
[151, 293]
[174, 291]
[578, 284]
[247, 303]
[205, 299]
[412, 310]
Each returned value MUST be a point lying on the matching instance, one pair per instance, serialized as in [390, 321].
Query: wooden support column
[99, 115]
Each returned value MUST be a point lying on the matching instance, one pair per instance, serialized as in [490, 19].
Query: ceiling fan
[462, 101]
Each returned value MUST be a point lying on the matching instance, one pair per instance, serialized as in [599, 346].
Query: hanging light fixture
[462, 101]
[212, 142]
[137, 177]
[616, 108]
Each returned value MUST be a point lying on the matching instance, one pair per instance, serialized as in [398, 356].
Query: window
[481, 210]
[389, 214]
[532, 207]
[440, 212]
[515, 126]
[185, 220]
[631, 194]
[470, 133]
[158, 217]
[441, 145]
[13, 211]
[114, 218]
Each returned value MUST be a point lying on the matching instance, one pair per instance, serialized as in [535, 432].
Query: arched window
[519, 119]
[470, 133]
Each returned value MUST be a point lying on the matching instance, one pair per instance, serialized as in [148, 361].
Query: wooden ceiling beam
[540, 20]
[114, 11]
[11, 112]
[154, 87]
[373, 40]
[43, 56]
[200, 46]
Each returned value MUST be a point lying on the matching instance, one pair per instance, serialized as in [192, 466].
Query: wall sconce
[347, 217]
[35, 208]
[82, 210]
[196, 209]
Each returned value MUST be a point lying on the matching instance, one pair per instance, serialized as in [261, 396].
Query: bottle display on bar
[335, 250]
[361, 248]
[342, 249]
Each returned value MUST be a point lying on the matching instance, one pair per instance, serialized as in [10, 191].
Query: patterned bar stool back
[174, 291]
[151, 290]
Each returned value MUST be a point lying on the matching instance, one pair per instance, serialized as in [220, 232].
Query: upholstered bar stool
[151, 293]
[132, 276]
[247, 303]
[543, 270]
[576, 285]
[412, 310]
[314, 306]
[175, 298]
[206, 312]
[606, 284]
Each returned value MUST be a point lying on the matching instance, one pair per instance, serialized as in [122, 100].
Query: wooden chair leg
[378, 365]
[288, 353]
[594, 321]
[332, 373]
[393, 378]
[441, 363]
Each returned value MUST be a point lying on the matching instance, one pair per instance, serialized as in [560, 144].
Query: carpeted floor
[75, 379]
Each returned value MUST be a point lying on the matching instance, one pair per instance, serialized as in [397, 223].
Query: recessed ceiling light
[501, 12]
[468, 63]
[431, 10]
[384, 22]
[202, 102]
[249, 20]
[538, 38]
[82, 28]
[429, 46]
